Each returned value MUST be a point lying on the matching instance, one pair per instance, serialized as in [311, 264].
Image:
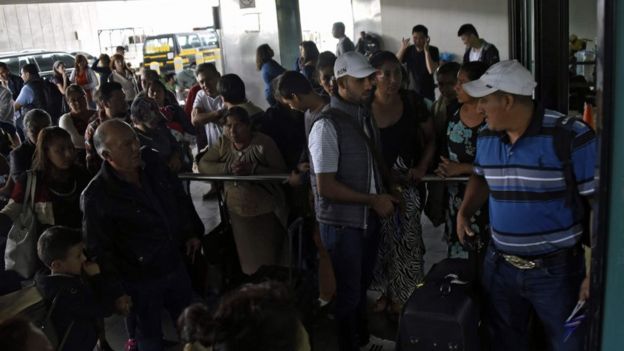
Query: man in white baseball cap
[535, 167]
[349, 193]
[505, 91]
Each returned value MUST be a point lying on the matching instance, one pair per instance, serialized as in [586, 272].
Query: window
[14, 64]
[159, 45]
[45, 62]
[67, 60]
[189, 41]
[209, 40]
[23, 61]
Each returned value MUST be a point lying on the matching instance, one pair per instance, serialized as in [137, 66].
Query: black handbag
[219, 249]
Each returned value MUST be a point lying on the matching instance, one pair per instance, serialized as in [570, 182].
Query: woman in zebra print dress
[407, 147]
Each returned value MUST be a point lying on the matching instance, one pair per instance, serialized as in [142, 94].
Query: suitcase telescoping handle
[295, 228]
[449, 280]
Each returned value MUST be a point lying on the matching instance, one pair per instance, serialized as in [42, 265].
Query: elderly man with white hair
[138, 223]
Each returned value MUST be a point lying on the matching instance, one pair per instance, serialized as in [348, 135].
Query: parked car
[42, 58]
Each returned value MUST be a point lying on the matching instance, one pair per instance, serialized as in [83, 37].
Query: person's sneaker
[131, 345]
[378, 344]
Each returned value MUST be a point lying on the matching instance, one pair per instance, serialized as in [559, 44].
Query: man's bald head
[117, 143]
[110, 130]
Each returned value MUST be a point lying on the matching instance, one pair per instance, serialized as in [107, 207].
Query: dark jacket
[286, 127]
[15, 85]
[46, 96]
[77, 301]
[21, 159]
[489, 54]
[103, 72]
[137, 233]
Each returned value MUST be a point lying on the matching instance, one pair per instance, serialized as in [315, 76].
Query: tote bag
[21, 247]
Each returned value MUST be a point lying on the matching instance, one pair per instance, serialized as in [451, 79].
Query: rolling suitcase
[442, 313]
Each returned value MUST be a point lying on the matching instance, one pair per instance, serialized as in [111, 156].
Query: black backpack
[48, 98]
[54, 101]
[563, 139]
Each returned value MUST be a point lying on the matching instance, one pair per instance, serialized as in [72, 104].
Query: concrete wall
[317, 17]
[243, 31]
[583, 19]
[443, 18]
[67, 27]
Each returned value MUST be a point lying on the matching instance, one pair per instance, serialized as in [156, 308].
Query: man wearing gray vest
[349, 193]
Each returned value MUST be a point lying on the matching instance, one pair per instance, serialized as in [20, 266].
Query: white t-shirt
[210, 104]
[475, 54]
[324, 150]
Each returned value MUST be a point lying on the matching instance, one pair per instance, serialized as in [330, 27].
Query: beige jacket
[247, 198]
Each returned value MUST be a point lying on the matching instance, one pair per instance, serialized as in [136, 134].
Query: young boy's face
[72, 264]
[446, 84]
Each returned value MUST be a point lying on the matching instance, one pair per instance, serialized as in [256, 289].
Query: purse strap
[29, 192]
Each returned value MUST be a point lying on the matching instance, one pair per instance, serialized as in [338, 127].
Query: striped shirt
[527, 200]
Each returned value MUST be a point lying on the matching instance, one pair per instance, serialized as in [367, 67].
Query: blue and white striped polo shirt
[528, 213]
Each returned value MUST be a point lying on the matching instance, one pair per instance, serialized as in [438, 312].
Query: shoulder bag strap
[49, 318]
[29, 190]
[33, 188]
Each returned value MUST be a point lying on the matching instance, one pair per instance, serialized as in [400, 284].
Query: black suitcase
[442, 314]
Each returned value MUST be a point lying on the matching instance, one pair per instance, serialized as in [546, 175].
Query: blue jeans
[353, 252]
[149, 297]
[550, 292]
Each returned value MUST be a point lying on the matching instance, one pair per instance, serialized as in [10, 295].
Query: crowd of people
[356, 131]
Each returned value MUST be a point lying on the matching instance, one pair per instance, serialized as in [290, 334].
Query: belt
[551, 259]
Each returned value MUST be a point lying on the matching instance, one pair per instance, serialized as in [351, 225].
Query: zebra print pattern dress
[400, 264]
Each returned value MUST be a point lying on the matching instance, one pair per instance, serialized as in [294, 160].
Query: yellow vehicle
[211, 51]
[165, 48]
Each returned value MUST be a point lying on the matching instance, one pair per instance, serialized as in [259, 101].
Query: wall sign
[247, 4]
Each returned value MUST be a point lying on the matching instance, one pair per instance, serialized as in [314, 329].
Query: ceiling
[24, 2]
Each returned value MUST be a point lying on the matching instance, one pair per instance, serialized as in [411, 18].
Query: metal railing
[283, 177]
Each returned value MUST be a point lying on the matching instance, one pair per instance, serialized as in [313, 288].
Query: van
[211, 51]
[42, 58]
[164, 48]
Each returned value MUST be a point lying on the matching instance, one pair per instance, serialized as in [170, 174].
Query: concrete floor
[323, 337]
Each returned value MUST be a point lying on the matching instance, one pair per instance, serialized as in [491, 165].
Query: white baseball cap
[508, 76]
[352, 64]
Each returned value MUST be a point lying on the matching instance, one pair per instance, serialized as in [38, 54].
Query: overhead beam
[29, 2]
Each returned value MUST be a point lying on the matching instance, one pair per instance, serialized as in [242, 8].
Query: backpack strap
[563, 142]
[563, 137]
[48, 317]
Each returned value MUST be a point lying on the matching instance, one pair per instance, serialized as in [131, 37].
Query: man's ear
[295, 98]
[56, 265]
[340, 83]
[508, 101]
[105, 155]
